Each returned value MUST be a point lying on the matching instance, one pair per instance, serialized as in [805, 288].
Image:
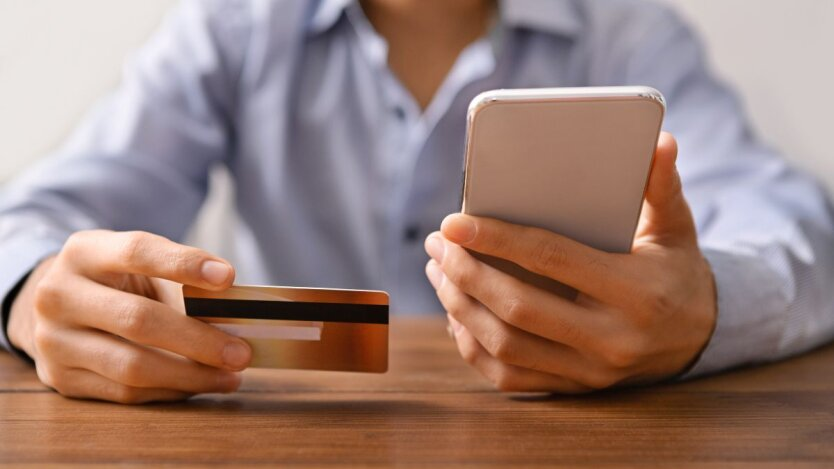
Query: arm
[140, 161]
[751, 285]
[766, 228]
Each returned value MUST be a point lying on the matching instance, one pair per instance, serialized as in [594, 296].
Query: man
[343, 125]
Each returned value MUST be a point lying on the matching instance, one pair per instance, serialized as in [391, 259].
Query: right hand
[104, 320]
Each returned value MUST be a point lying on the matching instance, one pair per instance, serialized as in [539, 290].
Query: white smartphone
[574, 161]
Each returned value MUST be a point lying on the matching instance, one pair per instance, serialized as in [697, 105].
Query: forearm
[774, 301]
[766, 229]
[140, 160]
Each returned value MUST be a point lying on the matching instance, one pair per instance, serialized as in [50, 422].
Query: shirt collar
[559, 17]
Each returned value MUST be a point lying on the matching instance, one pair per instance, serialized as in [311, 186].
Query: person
[342, 124]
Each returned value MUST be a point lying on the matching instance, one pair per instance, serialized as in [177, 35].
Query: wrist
[749, 323]
[21, 301]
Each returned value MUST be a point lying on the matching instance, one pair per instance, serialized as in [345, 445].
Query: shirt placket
[404, 135]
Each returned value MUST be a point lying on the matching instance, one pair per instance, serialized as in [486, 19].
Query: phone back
[572, 161]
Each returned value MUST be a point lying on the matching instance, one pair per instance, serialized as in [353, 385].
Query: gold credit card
[300, 328]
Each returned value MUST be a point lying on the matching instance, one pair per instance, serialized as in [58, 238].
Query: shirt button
[411, 234]
[399, 112]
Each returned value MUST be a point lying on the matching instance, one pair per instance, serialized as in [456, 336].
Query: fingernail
[436, 247]
[435, 274]
[458, 229]
[215, 273]
[236, 355]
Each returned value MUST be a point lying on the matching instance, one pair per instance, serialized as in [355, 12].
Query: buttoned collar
[558, 17]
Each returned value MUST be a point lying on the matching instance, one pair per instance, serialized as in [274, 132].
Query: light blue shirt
[340, 176]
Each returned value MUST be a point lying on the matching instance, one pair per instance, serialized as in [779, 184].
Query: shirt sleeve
[141, 159]
[766, 228]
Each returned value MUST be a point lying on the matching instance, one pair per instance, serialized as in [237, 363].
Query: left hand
[639, 317]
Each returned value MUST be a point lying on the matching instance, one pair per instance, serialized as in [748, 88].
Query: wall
[56, 58]
[780, 56]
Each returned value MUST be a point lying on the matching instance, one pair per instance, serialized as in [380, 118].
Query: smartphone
[574, 161]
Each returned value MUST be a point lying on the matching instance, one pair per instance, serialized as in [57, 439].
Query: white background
[57, 57]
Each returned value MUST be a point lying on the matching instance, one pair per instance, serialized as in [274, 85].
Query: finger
[144, 321]
[85, 384]
[516, 303]
[666, 217]
[588, 270]
[137, 366]
[506, 377]
[510, 345]
[97, 252]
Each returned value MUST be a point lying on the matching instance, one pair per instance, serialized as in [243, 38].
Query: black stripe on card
[287, 310]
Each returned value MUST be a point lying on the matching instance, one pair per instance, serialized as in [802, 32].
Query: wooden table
[430, 409]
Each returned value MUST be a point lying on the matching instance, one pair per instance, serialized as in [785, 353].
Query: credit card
[300, 328]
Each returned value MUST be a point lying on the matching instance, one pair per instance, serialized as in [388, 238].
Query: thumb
[666, 218]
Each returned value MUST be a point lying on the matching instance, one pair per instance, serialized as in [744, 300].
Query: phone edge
[487, 98]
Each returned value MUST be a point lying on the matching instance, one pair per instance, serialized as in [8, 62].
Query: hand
[638, 318]
[103, 320]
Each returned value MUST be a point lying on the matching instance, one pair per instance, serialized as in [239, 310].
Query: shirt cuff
[751, 313]
[20, 257]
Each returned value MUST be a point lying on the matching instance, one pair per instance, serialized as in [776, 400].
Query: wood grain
[433, 410]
